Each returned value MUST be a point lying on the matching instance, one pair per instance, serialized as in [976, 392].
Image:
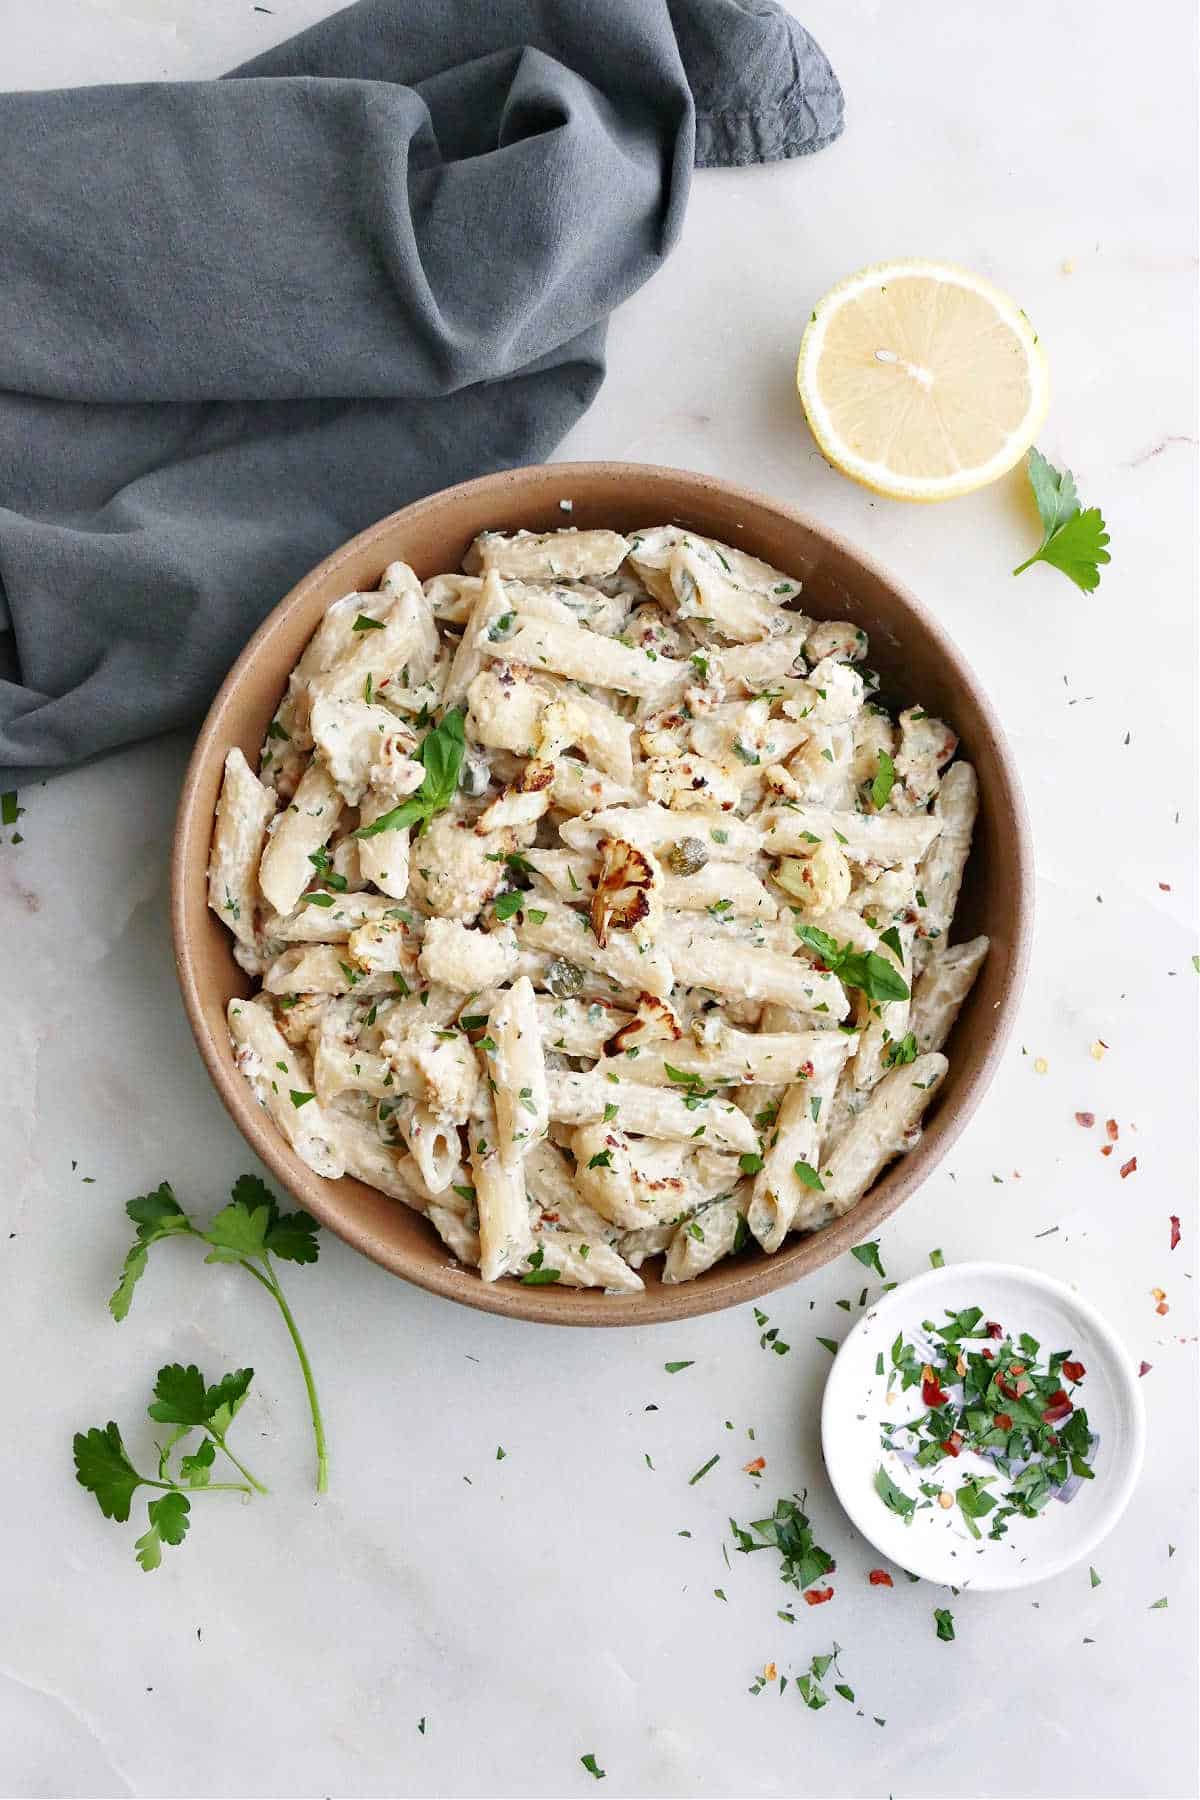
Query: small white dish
[937, 1544]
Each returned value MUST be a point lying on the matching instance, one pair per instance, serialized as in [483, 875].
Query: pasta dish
[599, 909]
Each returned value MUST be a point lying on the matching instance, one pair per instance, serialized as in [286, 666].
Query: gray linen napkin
[241, 319]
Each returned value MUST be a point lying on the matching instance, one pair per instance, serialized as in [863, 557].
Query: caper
[563, 979]
[687, 856]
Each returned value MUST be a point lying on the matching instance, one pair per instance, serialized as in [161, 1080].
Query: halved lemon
[921, 380]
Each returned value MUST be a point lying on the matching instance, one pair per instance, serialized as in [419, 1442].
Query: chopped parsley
[787, 1530]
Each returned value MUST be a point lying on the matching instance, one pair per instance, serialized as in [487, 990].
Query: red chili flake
[1164, 887]
[1008, 1392]
[1087, 1120]
[1002, 1421]
[756, 1467]
[1162, 1309]
[1113, 1130]
[1175, 1232]
[1106, 1149]
[990, 1354]
[818, 1596]
[1129, 1167]
[953, 1444]
[1057, 1408]
[1144, 1368]
[553, 1217]
[932, 1392]
[993, 1328]
[1074, 1371]
[880, 1578]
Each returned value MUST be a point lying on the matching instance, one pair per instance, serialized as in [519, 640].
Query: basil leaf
[440, 753]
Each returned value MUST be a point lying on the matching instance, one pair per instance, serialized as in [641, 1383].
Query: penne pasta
[580, 887]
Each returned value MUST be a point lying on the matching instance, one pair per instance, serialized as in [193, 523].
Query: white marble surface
[538, 1607]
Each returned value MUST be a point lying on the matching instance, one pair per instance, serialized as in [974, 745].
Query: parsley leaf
[884, 781]
[808, 1175]
[168, 1525]
[1074, 541]
[104, 1469]
[157, 1215]
[900, 1050]
[868, 1256]
[945, 1624]
[440, 753]
[894, 1498]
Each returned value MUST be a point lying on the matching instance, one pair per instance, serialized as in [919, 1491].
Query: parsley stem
[210, 1487]
[239, 1466]
[1028, 563]
[271, 1283]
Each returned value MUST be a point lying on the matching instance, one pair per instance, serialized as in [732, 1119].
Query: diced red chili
[990, 1354]
[1129, 1167]
[1002, 1421]
[1057, 1407]
[880, 1578]
[1016, 1368]
[1144, 1368]
[1087, 1120]
[818, 1596]
[1175, 1232]
[993, 1328]
[953, 1444]
[1113, 1130]
[932, 1393]
[1074, 1371]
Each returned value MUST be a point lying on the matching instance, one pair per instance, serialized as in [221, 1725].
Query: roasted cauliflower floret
[383, 946]
[818, 883]
[456, 957]
[647, 629]
[831, 694]
[873, 732]
[628, 894]
[454, 870]
[926, 745]
[653, 1022]
[835, 637]
[691, 781]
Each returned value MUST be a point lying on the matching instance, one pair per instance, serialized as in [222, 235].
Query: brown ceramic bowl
[916, 661]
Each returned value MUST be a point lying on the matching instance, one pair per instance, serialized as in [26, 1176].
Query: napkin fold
[241, 319]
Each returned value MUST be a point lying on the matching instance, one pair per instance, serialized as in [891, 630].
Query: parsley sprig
[1074, 540]
[183, 1399]
[250, 1231]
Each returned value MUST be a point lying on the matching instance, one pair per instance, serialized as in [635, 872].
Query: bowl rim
[589, 1307]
